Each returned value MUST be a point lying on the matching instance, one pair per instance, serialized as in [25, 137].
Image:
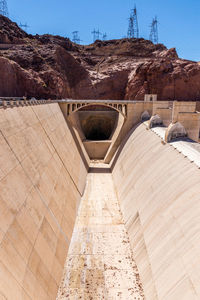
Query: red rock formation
[54, 67]
[170, 79]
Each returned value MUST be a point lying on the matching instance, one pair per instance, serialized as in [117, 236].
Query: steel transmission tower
[133, 29]
[4, 8]
[76, 39]
[96, 34]
[154, 31]
[104, 36]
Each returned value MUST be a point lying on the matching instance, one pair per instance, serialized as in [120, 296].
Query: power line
[24, 26]
[154, 31]
[4, 8]
[133, 28]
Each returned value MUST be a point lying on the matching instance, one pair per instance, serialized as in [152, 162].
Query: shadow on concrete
[99, 170]
[122, 146]
[77, 143]
[184, 139]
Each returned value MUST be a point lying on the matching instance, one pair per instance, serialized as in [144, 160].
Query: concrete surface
[188, 148]
[97, 149]
[149, 240]
[158, 190]
[42, 178]
[99, 263]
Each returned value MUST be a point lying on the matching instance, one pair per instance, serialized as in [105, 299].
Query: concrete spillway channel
[134, 219]
[100, 263]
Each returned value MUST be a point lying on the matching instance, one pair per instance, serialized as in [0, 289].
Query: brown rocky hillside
[53, 67]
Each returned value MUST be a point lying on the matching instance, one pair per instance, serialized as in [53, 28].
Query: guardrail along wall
[42, 178]
[158, 191]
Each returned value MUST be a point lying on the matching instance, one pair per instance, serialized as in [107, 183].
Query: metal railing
[8, 102]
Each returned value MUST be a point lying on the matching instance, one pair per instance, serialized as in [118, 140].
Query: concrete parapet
[182, 107]
[159, 105]
[164, 110]
[191, 123]
[165, 115]
[150, 97]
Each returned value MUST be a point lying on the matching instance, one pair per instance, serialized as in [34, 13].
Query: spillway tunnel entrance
[98, 127]
[98, 124]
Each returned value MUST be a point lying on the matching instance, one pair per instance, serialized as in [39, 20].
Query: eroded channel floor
[99, 263]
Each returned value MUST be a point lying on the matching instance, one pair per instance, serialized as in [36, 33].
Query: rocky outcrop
[170, 79]
[53, 67]
[16, 81]
[10, 33]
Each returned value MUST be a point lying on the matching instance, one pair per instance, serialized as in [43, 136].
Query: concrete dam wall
[42, 178]
[158, 190]
[71, 228]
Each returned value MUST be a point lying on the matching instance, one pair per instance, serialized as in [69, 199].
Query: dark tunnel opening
[98, 126]
[97, 135]
[99, 129]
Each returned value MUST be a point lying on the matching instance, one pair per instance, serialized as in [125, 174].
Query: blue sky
[179, 20]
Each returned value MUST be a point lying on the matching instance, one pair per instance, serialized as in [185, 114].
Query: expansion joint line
[58, 154]
[38, 191]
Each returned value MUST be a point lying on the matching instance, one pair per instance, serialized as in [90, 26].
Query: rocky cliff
[53, 67]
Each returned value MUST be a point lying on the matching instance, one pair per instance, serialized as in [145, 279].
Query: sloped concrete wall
[159, 194]
[42, 178]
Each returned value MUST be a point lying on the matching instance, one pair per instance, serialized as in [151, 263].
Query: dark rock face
[53, 67]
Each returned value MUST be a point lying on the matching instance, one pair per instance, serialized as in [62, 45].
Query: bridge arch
[75, 107]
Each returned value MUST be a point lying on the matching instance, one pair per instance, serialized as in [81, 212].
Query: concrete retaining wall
[42, 178]
[159, 194]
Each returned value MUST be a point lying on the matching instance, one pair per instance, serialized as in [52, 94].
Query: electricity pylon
[76, 39]
[133, 28]
[154, 31]
[4, 8]
[96, 34]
